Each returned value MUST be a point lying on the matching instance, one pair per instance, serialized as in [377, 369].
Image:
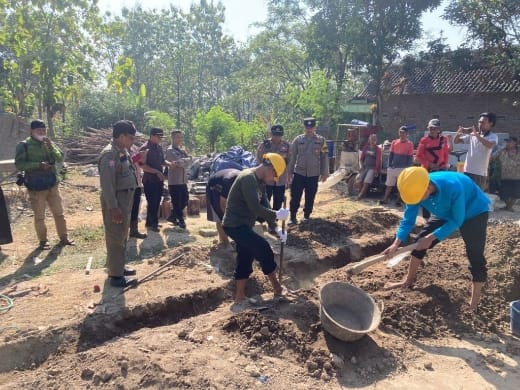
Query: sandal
[44, 245]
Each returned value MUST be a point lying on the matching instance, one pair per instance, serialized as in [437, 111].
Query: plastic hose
[9, 303]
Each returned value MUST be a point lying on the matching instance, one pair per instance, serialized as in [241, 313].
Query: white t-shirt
[477, 160]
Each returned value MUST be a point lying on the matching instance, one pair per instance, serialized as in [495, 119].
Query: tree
[380, 29]
[50, 51]
[493, 26]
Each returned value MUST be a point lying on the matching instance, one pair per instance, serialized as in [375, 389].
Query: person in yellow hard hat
[455, 202]
[246, 202]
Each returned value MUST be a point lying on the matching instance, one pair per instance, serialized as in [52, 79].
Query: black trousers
[250, 246]
[153, 192]
[135, 206]
[299, 184]
[278, 195]
[179, 195]
[473, 232]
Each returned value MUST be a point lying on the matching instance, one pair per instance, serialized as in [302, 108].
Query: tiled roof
[442, 80]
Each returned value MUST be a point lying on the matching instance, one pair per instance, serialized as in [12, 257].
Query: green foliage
[493, 27]
[158, 119]
[217, 130]
[100, 109]
[48, 48]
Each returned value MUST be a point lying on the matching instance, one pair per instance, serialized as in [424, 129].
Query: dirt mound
[437, 305]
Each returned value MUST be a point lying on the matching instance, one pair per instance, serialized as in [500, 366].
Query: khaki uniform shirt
[116, 173]
[178, 174]
[282, 149]
[309, 156]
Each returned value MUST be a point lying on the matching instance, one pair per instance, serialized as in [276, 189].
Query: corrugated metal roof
[443, 80]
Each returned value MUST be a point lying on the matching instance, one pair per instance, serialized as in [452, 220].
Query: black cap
[309, 122]
[157, 131]
[277, 130]
[123, 127]
[403, 128]
[37, 124]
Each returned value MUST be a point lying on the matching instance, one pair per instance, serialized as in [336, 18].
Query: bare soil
[176, 330]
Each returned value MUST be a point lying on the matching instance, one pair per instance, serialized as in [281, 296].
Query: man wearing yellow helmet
[246, 202]
[455, 202]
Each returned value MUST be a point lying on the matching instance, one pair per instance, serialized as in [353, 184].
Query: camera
[20, 179]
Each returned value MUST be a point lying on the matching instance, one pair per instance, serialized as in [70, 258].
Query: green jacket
[247, 201]
[30, 153]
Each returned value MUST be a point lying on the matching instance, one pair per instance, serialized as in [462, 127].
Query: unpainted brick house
[456, 97]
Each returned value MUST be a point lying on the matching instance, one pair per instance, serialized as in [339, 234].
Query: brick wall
[452, 110]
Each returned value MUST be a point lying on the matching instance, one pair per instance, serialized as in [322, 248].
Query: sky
[240, 14]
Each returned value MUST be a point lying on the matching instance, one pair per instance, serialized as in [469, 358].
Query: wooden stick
[89, 265]
[356, 268]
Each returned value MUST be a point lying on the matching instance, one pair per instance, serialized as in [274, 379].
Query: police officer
[275, 144]
[118, 183]
[308, 163]
[177, 179]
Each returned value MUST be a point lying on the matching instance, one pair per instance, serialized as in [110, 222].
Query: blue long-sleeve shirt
[456, 200]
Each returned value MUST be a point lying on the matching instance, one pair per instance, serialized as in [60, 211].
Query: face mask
[38, 137]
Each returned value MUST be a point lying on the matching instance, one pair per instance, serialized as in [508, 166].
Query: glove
[282, 214]
[281, 234]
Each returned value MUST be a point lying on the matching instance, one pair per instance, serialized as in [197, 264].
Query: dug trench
[182, 340]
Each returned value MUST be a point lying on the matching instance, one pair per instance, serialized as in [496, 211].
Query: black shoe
[383, 202]
[182, 224]
[129, 271]
[122, 281]
[293, 222]
[66, 241]
[173, 220]
[136, 234]
[398, 204]
[154, 228]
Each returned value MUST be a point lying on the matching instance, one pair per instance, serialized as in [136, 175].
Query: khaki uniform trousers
[116, 235]
[39, 201]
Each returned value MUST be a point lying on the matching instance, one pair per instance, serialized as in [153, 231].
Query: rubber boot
[134, 232]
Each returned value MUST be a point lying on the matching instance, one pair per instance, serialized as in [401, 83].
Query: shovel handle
[361, 265]
[280, 270]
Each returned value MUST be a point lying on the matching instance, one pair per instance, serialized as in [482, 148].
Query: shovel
[153, 273]
[369, 261]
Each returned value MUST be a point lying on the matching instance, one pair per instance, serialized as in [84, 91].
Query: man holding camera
[481, 143]
[37, 157]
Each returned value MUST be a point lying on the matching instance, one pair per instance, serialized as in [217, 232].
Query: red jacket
[433, 151]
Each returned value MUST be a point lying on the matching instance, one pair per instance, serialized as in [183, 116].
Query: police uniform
[276, 190]
[308, 161]
[118, 182]
[178, 183]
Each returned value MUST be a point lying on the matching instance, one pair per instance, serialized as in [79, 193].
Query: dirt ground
[176, 330]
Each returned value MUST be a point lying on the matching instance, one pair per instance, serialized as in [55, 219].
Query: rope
[5, 307]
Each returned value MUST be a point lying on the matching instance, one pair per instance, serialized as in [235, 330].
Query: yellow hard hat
[412, 184]
[276, 161]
